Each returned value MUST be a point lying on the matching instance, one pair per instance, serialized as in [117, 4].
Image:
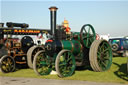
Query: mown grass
[116, 74]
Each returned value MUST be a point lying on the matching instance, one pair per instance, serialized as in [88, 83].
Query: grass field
[116, 74]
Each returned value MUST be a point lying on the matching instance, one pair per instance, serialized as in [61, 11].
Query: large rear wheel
[100, 55]
[31, 53]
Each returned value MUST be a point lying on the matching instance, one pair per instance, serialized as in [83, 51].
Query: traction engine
[17, 46]
[64, 55]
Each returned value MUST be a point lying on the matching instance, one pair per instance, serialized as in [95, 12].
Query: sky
[106, 16]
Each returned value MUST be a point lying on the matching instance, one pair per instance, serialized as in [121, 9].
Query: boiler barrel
[57, 45]
[74, 46]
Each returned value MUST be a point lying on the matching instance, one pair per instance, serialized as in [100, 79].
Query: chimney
[53, 20]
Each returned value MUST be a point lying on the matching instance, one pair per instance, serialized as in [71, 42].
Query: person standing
[67, 29]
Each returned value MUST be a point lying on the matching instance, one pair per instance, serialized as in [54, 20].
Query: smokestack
[53, 20]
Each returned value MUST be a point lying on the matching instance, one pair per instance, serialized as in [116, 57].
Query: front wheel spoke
[4, 62]
[8, 60]
[67, 70]
[69, 54]
[12, 66]
[7, 68]
[43, 64]
[69, 58]
[64, 55]
[10, 63]
[3, 66]
[62, 69]
[62, 64]
[40, 72]
[38, 66]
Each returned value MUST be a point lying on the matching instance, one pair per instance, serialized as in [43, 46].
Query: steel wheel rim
[87, 35]
[104, 56]
[66, 64]
[31, 54]
[7, 64]
[43, 65]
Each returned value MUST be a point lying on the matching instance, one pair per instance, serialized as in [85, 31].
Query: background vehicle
[119, 46]
[17, 46]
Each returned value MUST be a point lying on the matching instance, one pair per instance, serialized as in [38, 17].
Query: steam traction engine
[17, 50]
[64, 55]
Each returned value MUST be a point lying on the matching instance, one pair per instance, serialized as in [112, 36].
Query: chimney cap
[53, 8]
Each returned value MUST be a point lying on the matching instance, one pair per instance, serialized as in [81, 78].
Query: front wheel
[7, 64]
[65, 63]
[115, 47]
[41, 63]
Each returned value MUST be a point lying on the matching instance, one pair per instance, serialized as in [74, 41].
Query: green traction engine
[64, 55]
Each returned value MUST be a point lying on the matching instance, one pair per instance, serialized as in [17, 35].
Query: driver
[67, 29]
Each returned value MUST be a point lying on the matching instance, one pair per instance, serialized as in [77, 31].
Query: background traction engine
[17, 51]
[64, 55]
